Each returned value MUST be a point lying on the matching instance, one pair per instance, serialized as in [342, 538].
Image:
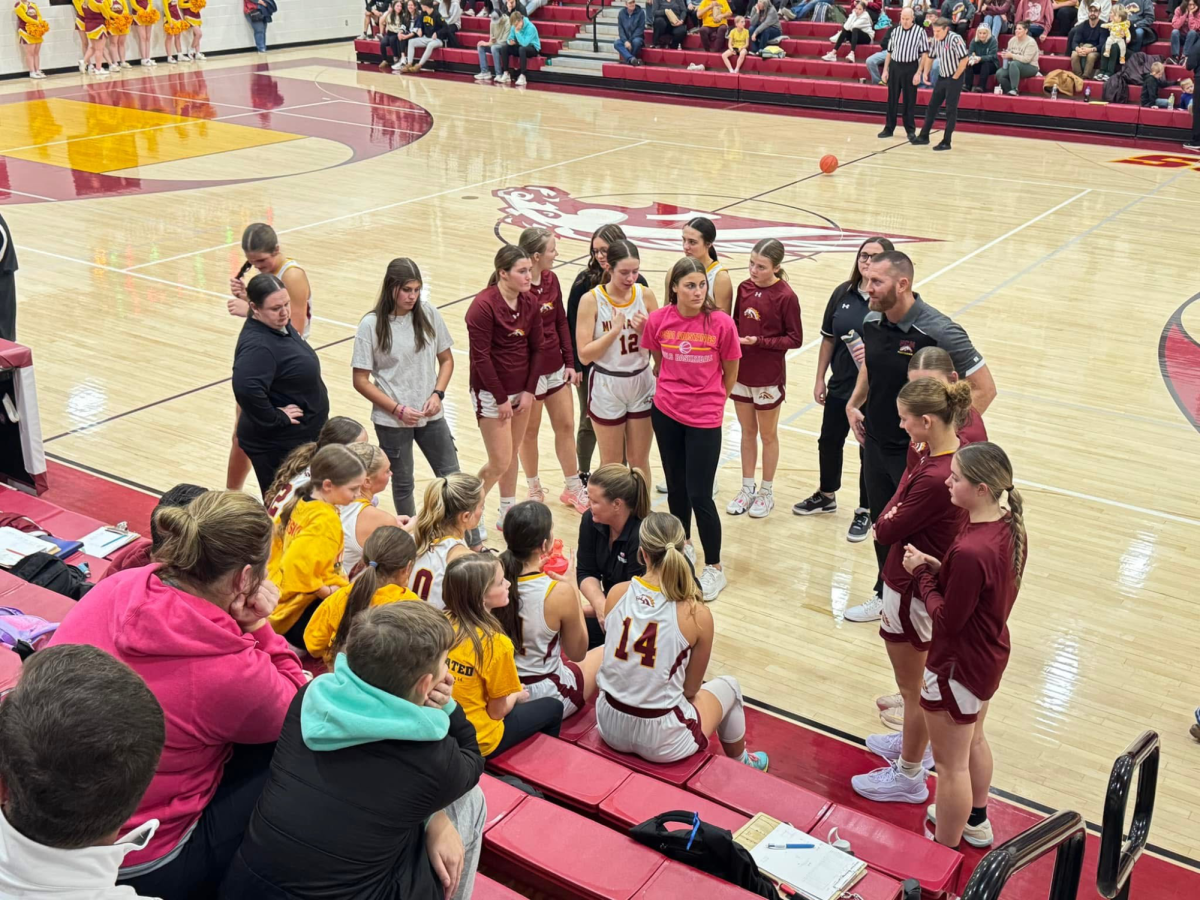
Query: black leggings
[855, 37]
[883, 469]
[527, 719]
[831, 445]
[198, 869]
[689, 457]
[668, 34]
[295, 634]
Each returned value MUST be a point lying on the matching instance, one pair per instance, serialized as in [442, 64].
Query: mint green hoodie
[341, 710]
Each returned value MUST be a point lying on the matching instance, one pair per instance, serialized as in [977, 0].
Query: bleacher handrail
[592, 17]
[1119, 853]
[1064, 833]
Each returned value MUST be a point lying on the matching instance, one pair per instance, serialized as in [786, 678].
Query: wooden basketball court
[1070, 265]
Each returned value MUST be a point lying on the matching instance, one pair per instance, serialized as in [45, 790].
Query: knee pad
[733, 717]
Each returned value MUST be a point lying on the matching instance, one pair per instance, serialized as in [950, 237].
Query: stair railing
[1063, 833]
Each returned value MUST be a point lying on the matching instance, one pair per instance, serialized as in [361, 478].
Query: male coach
[908, 52]
[898, 325]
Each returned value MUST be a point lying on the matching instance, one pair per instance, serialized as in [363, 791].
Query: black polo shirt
[890, 347]
[845, 312]
[609, 564]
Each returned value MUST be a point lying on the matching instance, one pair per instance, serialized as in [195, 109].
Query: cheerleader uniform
[541, 666]
[144, 12]
[28, 31]
[191, 12]
[558, 357]
[118, 18]
[95, 25]
[173, 21]
[79, 5]
[621, 384]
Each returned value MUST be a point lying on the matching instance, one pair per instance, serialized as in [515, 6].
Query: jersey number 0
[422, 582]
[646, 646]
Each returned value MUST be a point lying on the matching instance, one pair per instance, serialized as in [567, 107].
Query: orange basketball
[829, 163]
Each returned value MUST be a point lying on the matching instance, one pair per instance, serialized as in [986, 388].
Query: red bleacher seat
[675, 881]
[894, 850]
[676, 773]
[501, 799]
[37, 601]
[486, 889]
[579, 724]
[740, 787]
[572, 855]
[641, 797]
[562, 770]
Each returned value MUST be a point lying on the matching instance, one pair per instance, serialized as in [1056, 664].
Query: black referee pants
[900, 82]
[882, 468]
[947, 90]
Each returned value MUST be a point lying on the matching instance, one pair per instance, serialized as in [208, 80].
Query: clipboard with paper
[819, 873]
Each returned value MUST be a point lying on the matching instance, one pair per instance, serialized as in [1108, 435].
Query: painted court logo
[656, 226]
[1179, 359]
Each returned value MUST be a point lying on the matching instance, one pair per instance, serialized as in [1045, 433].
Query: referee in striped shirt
[951, 53]
[907, 55]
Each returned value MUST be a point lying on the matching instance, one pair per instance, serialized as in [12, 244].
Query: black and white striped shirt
[907, 45]
[949, 52]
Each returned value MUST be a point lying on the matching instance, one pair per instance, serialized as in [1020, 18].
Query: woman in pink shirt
[195, 629]
[696, 351]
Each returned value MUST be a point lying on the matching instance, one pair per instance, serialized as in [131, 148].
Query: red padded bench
[641, 797]
[501, 799]
[579, 724]
[676, 773]
[893, 850]
[57, 521]
[568, 854]
[562, 770]
[675, 881]
[748, 791]
[486, 889]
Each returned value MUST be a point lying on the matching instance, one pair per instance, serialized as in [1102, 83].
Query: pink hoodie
[217, 687]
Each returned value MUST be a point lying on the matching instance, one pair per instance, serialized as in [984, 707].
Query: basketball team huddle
[537, 642]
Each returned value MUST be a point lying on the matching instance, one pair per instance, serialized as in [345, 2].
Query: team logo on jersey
[548, 306]
[907, 348]
[751, 313]
[656, 226]
[518, 332]
[1179, 359]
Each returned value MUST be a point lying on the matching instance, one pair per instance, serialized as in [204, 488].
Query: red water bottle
[556, 562]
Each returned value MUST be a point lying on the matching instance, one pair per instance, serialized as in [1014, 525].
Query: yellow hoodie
[323, 626]
[308, 559]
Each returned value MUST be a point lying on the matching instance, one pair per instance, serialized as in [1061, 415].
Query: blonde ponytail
[661, 537]
[937, 399]
[218, 533]
[445, 500]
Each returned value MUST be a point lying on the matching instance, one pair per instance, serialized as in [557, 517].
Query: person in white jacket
[857, 29]
[93, 725]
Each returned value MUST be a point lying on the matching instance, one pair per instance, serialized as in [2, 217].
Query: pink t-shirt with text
[691, 383]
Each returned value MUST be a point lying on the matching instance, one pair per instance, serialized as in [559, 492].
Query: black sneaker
[918, 139]
[860, 528]
[817, 503]
[886, 133]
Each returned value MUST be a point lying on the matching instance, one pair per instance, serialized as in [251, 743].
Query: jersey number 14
[646, 646]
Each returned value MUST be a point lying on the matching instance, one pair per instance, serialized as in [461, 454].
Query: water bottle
[852, 342]
[556, 562]
[1054, 92]
[1087, 94]
[1171, 102]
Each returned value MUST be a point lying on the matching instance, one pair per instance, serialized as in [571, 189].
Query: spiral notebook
[820, 873]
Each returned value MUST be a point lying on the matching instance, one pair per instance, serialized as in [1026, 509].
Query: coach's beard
[884, 303]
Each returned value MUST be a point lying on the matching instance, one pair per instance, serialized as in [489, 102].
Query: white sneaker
[661, 487]
[976, 835]
[82, 67]
[764, 502]
[145, 62]
[831, 56]
[712, 582]
[888, 746]
[153, 62]
[125, 65]
[198, 55]
[690, 552]
[741, 501]
[170, 60]
[890, 785]
[871, 611]
[483, 76]
[521, 81]
[500, 520]
[505, 78]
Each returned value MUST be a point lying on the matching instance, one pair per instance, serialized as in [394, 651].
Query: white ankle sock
[911, 770]
[748, 485]
[507, 503]
[573, 482]
[765, 487]
[534, 482]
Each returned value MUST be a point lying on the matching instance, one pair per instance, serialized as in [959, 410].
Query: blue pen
[791, 846]
[695, 828]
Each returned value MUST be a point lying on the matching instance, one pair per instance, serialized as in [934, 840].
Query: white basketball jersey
[429, 570]
[625, 354]
[291, 263]
[543, 654]
[287, 492]
[351, 550]
[714, 269]
[645, 653]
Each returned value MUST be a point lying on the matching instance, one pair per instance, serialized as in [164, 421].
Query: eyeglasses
[866, 257]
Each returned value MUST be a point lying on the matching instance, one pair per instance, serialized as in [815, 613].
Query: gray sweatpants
[469, 814]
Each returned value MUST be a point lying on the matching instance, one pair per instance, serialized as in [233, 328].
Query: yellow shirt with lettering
[475, 683]
[307, 559]
[323, 626]
[710, 19]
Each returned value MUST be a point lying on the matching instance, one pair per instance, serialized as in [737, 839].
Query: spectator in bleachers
[372, 13]
[80, 738]
[1020, 60]
[391, 26]
[451, 13]
[875, 60]
[139, 552]
[668, 19]
[714, 24]
[1185, 31]
[1141, 24]
[739, 44]
[532, 6]
[856, 29]
[428, 27]
[293, 474]
[1065, 13]
[1115, 44]
[1037, 15]
[495, 45]
[362, 517]
[800, 10]
[198, 619]
[374, 789]
[523, 43]
[764, 25]
[982, 60]
[631, 33]
[996, 17]
[961, 14]
[1084, 43]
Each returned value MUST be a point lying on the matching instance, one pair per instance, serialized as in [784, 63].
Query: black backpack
[53, 574]
[713, 851]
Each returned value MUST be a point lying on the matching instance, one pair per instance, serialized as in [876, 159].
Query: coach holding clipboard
[908, 48]
[276, 380]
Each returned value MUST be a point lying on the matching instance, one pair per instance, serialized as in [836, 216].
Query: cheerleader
[556, 372]
[191, 14]
[31, 28]
[174, 26]
[969, 595]
[145, 16]
[920, 513]
[117, 15]
[767, 315]
[504, 332]
[79, 29]
[95, 27]
[621, 383]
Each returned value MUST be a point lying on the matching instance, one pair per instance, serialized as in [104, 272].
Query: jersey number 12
[646, 646]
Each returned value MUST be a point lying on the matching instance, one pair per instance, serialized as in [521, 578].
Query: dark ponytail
[262, 286]
[387, 553]
[527, 527]
[708, 231]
